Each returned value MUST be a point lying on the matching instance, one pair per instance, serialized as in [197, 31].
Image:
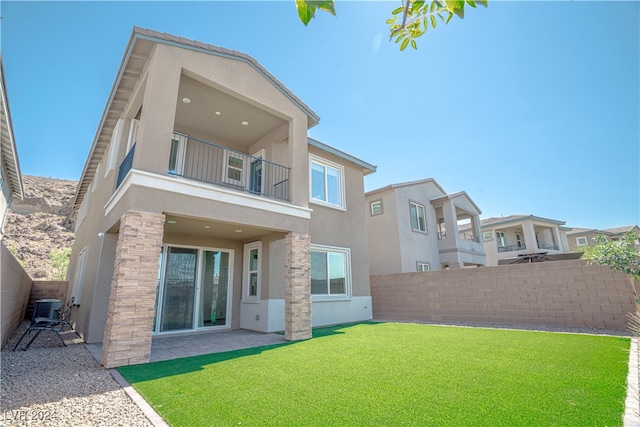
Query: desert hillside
[41, 223]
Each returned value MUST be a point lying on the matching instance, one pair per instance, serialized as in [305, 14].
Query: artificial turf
[397, 374]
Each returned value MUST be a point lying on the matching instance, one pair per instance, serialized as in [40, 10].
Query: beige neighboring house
[204, 206]
[10, 175]
[579, 237]
[514, 236]
[416, 226]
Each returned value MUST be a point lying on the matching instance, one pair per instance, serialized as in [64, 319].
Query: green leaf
[449, 17]
[433, 21]
[395, 11]
[456, 6]
[326, 6]
[305, 11]
[471, 3]
[485, 3]
[433, 6]
[413, 44]
[404, 44]
[416, 6]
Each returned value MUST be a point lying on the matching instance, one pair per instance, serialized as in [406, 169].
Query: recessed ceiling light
[245, 123]
[238, 231]
[171, 221]
[186, 100]
[218, 113]
[207, 226]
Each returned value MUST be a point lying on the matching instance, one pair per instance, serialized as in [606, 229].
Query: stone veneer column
[127, 334]
[297, 292]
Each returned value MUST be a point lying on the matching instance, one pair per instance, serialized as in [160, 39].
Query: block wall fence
[46, 289]
[15, 286]
[567, 294]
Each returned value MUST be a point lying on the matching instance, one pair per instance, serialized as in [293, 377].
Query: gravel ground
[52, 385]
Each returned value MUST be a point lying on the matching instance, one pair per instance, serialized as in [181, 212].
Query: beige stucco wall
[560, 293]
[15, 287]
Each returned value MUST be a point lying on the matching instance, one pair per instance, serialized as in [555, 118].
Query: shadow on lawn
[167, 368]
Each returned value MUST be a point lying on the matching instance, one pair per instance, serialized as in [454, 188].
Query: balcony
[470, 237]
[204, 161]
[511, 248]
[549, 246]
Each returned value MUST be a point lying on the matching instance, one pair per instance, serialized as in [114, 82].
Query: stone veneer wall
[297, 294]
[15, 287]
[127, 336]
[561, 293]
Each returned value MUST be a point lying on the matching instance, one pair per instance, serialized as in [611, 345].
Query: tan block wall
[297, 293]
[46, 289]
[127, 336]
[562, 293]
[15, 286]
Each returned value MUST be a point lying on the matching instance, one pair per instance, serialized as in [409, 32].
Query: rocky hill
[41, 223]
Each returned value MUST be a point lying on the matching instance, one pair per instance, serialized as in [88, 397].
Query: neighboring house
[203, 205]
[579, 237]
[517, 235]
[416, 226]
[10, 176]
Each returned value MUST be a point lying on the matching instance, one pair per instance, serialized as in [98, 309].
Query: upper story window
[376, 207]
[581, 241]
[326, 182]
[486, 235]
[502, 239]
[113, 147]
[133, 134]
[422, 266]
[418, 220]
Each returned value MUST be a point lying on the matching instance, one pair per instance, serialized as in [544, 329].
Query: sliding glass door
[194, 289]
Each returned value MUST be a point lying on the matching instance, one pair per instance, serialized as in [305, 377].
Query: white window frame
[225, 169]
[487, 235]
[341, 184]
[82, 211]
[113, 149]
[347, 254]
[259, 155]
[424, 217]
[582, 241]
[420, 266]
[133, 134]
[181, 140]
[246, 272]
[78, 278]
[373, 211]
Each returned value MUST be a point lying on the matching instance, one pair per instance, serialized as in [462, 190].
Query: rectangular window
[327, 182]
[418, 221]
[502, 241]
[177, 154]
[233, 169]
[113, 149]
[330, 271]
[133, 134]
[423, 266]
[519, 240]
[581, 241]
[486, 235]
[376, 207]
[251, 281]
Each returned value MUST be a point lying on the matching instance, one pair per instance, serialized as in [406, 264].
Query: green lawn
[391, 374]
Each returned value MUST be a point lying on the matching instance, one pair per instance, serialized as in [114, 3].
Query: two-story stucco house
[579, 238]
[203, 206]
[417, 226]
[10, 176]
[513, 236]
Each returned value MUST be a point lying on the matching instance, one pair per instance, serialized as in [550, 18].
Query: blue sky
[530, 107]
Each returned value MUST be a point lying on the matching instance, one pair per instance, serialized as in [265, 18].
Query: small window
[423, 266]
[418, 221]
[502, 240]
[113, 149]
[330, 271]
[96, 176]
[327, 182]
[486, 235]
[376, 207]
[581, 241]
[133, 134]
[251, 291]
